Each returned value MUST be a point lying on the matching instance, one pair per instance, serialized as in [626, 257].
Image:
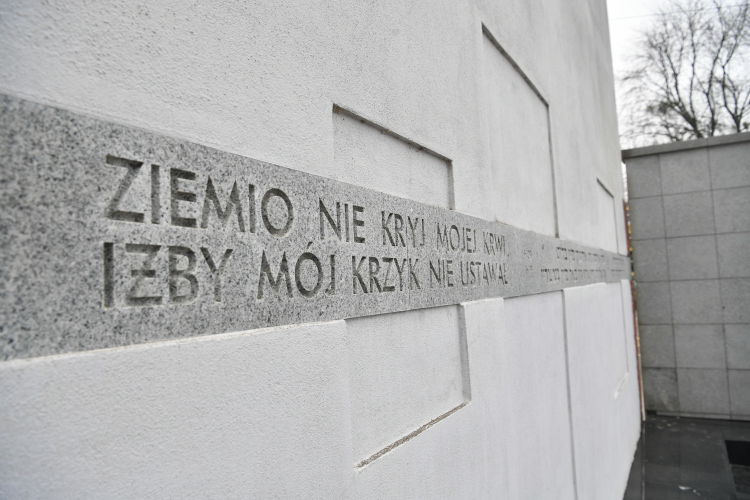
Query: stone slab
[738, 346]
[732, 209]
[739, 392]
[654, 303]
[405, 369]
[647, 218]
[689, 214]
[734, 258]
[685, 145]
[730, 165]
[700, 346]
[650, 260]
[660, 389]
[111, 235]
[696, 302]
[692, 258]
[735, 300]
[657, 346]
[703, 391]
[685, 171]
[644, 177]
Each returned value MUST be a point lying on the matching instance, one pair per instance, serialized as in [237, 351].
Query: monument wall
[689, 205]
[311, 251]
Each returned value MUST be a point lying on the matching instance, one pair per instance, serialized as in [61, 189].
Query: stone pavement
[686, 458]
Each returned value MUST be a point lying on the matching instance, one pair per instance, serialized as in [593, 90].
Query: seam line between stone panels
[719, 273]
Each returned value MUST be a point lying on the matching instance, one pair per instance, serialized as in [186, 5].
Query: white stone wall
[502, 111]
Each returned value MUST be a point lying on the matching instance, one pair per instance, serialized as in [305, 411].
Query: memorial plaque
[112, 236]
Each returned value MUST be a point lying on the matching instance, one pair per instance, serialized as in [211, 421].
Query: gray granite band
[111, 236]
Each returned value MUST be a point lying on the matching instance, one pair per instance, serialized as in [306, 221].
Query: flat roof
[685, 145]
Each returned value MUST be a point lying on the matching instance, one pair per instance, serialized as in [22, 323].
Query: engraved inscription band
[114, 236]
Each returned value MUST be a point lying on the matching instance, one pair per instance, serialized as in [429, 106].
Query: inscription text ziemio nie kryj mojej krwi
[159, 238]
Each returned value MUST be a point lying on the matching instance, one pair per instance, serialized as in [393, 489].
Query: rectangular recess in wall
[407, 371]
[607, 218]
[520, 144]
[369, 155]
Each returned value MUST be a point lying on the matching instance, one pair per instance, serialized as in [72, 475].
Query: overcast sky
[626, 17]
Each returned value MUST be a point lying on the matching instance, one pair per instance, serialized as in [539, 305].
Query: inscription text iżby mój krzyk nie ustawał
[114, 236]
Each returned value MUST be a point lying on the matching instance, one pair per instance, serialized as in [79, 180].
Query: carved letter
[109, 275]
[386, 228]
[398, 225]
[412, 273]
[216, 272]
[112, 212]
[374, 270]
[233, 204]
[442, 239]
[357, 223]
[332, 287]
[298, 270]
[324, 214]
[436, 273]
[265, 272]
[346, 220]
[278, 232]
[150, 251]
[176, 195]
[357, 274]
[187, 274]
[386, 287]
[400, 270]
[458, 237]
[155, 195]
[464, 282]
[251, 208]
[412, 229]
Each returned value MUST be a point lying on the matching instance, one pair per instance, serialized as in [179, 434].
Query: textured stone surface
[730, 165]
[739, 392]
[518, 133]
[701, 267]
[654, 303]
[404, 369]
[735, 297]
[647, 218]
[738, 346]
[699, 346]
[531, 388]
[685, 171]
[660, 389]
[689, 214]
[650, 259]
[644, 177]
[114, 236]
[732, 209]
[142, 412]
[366, 155]
[692, 257]
[734, 255]
[696, 302]
[703, 391]
[596, 345]
[657, 346]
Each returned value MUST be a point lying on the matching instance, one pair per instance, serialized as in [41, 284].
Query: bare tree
[690, 75]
